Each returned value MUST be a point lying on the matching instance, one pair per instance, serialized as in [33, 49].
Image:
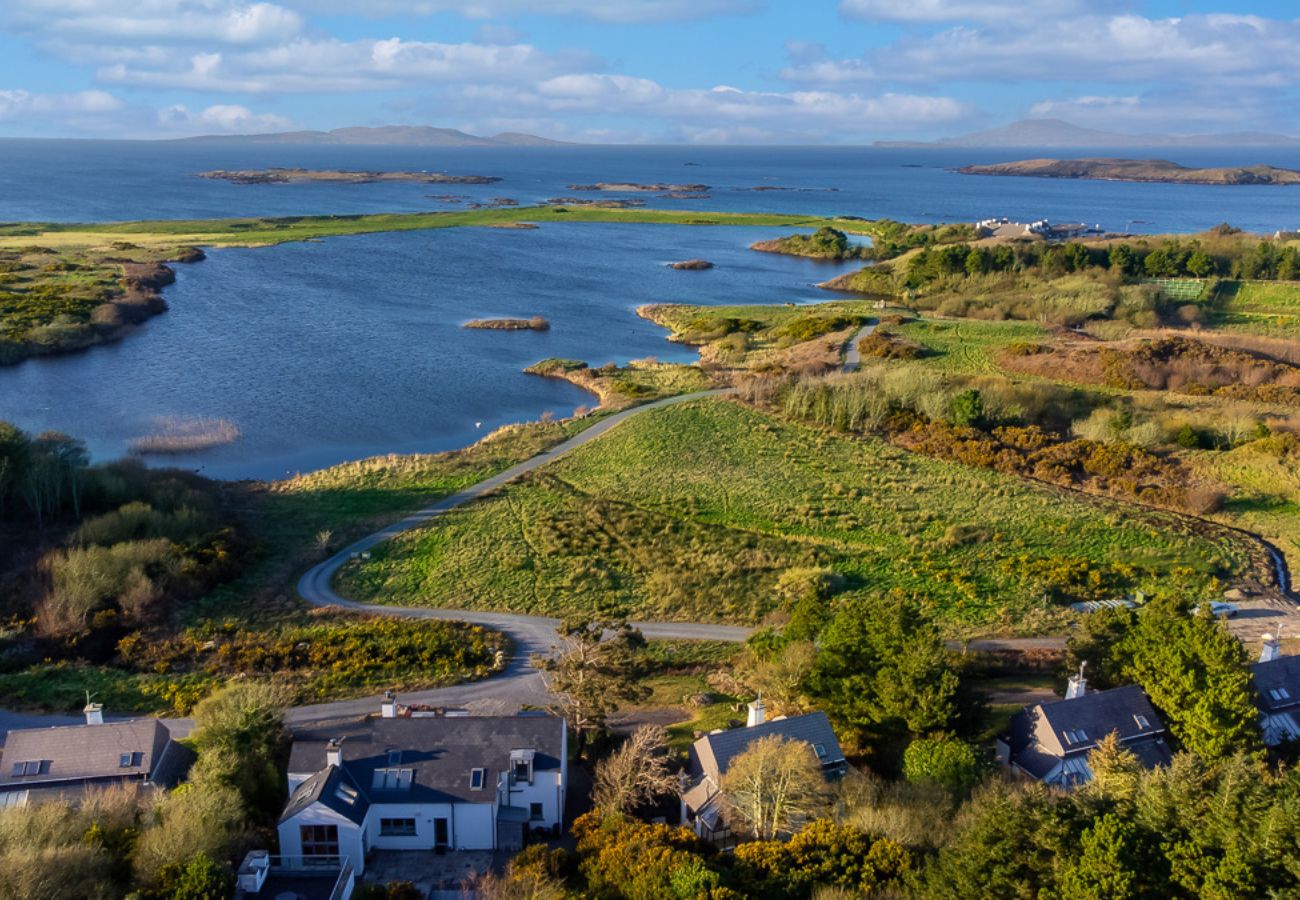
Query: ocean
[324, 352]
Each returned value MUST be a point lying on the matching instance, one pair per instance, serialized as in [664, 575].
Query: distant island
[399, 135]
[1057, 133]
[632, 187]
[340, 176]
[1149, 170]
[536, 323]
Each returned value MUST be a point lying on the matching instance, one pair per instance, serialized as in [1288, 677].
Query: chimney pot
[1077, 686]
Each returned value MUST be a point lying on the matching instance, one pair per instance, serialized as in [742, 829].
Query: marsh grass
[176, 435]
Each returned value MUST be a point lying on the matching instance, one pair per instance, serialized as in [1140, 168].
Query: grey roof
[334, 788]
[1041, 736]
[137, 749]
[1280, 675]
[712, 754]
[440, 751]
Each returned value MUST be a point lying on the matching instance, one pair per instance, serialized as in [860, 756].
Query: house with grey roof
[405, 780]
[1277, 693]
[62, 763]
[711, 756]
[1050, 742]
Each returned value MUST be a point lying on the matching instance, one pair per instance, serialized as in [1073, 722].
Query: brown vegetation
[185, 434]
[1172, 363]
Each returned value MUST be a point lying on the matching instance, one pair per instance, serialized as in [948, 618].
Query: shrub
[943, 760]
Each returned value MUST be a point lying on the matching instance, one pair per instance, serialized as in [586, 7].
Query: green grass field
[968, 346]
[1266, 491]
[1269, 308]
[694, 512]
[262, 231]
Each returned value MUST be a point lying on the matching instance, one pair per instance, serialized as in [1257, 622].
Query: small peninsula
[629, 187]
[1142, 170]
[339, 176]
[825, 243]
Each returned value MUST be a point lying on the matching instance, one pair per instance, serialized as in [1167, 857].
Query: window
[521, 765]
[1279, 694]
[319, 841]
[347, 793]
[477, 777]
[1142, 722]
[1074, 736]
[30, 767]
[820, 750]
[397, 827]
[130, 760]
[521, 771]
[393, 779]
[535, 812]
[394, 757]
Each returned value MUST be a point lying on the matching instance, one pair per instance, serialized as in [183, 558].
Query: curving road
[520, 684]
[852, 358]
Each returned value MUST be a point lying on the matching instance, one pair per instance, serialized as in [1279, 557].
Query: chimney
[388, 709]
[1077, 686]
[757, 713]
[334, 754]
[94, 713]
[1271, 649]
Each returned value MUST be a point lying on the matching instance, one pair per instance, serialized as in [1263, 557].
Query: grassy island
[1148, 170]
[536, 323]
[340, 176]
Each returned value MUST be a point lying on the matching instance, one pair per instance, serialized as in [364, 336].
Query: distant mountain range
[1058, 133]
[395, 135]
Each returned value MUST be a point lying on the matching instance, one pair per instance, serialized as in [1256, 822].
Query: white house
[404, 781]
[1277, 693]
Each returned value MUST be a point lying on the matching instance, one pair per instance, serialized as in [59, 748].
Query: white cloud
[22, 105]
[114, 22]
[325, 66]
[229, 118]
[1245, 50]
[722, 113]
[967, 10]
[1180, 111]
[614, 11]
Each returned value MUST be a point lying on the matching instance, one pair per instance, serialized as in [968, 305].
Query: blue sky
[702, 71]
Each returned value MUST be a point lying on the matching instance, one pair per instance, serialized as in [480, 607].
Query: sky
[647, 71]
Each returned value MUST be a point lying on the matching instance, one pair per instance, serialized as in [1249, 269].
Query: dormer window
[477, 778]
[521, 765]
[393, 779]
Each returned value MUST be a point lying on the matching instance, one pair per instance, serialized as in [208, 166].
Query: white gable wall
[547, 789]
[351, 839]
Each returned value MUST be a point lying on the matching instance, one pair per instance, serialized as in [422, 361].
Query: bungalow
[712, 754]
[1050, 742]
[1277, 692]
[410, 781]
[62, 763]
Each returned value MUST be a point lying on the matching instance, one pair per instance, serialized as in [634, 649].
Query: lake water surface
[322, 352]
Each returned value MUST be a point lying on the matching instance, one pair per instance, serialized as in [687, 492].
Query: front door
[441, 834]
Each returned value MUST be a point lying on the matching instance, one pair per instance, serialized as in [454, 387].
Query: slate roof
[712, 754]
[332, 787]
[441, 752]
[1281, 675]
[138, 749]
[1041, 736]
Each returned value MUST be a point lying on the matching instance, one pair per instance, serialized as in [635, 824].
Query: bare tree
[774, 787]
[635, 773]
[593, 672]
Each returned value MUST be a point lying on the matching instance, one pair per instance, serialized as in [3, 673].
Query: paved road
[520, 684]
[852, 358]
